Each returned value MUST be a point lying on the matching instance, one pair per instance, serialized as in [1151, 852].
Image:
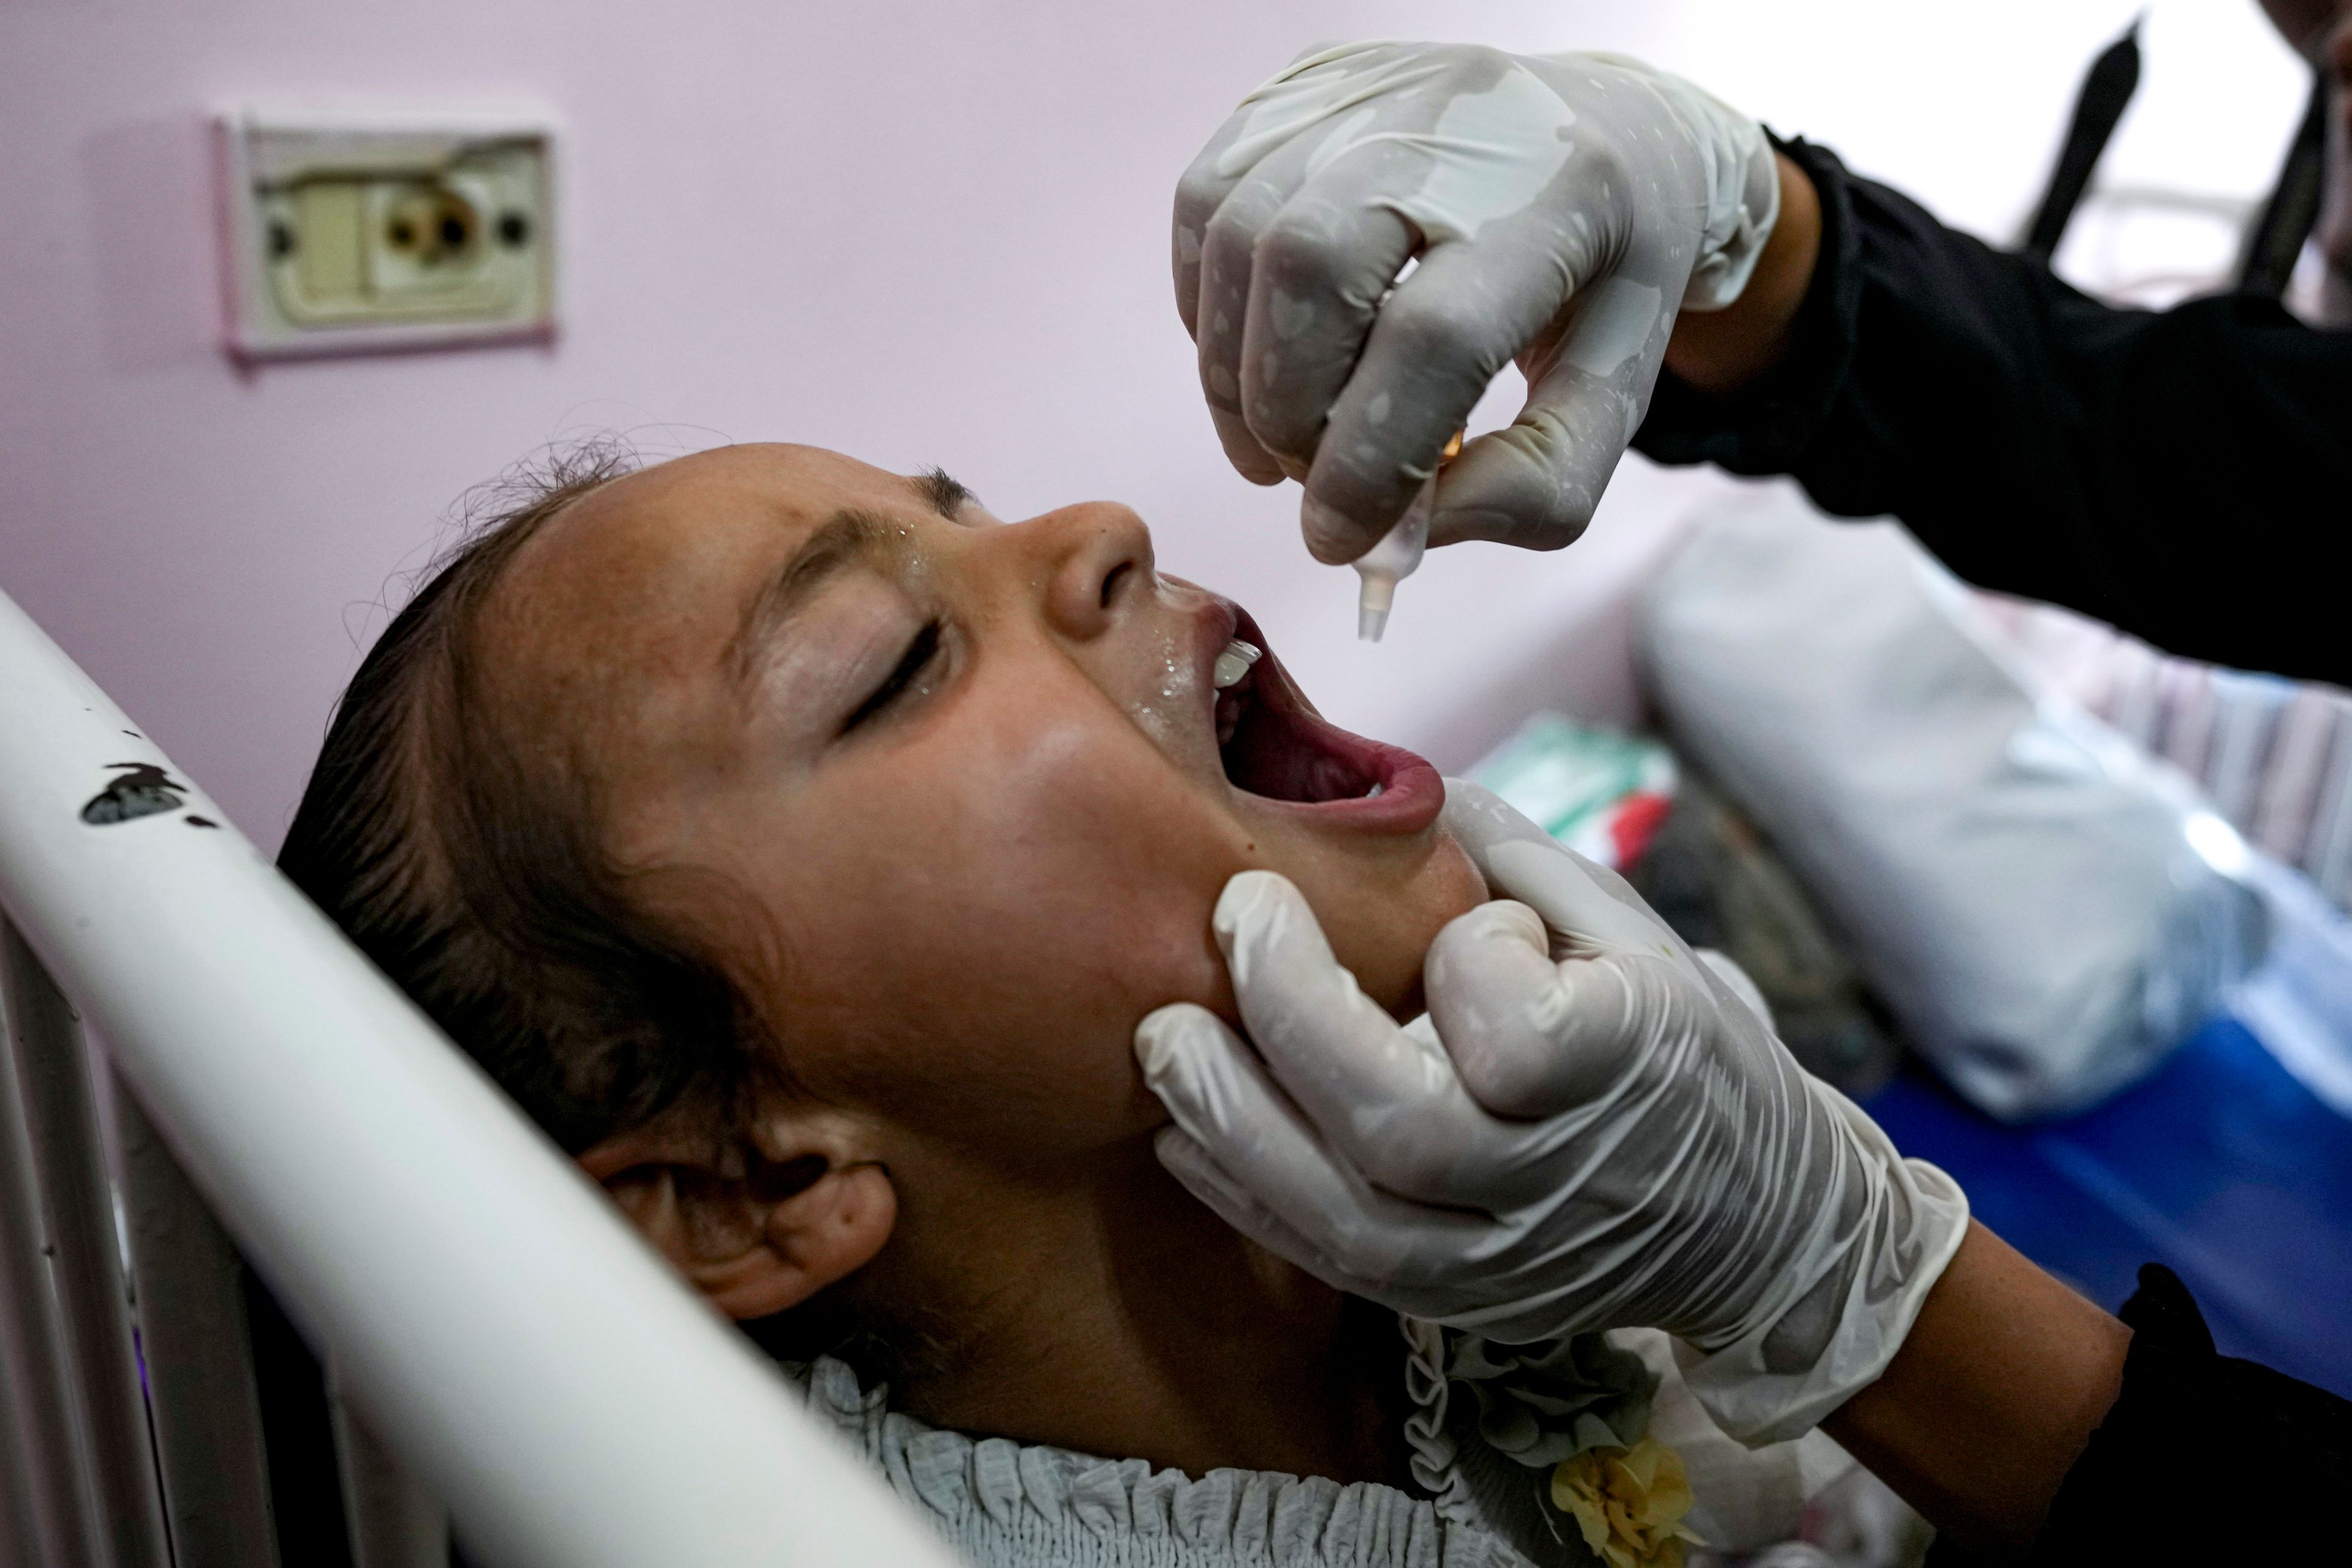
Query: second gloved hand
[1561, 208]
[1588, 1130]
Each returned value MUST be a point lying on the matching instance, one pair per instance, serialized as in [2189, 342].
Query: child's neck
[1122, 1318]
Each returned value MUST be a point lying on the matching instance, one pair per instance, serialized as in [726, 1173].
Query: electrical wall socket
[347, 230]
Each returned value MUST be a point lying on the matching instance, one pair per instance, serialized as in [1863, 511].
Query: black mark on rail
[143, 789]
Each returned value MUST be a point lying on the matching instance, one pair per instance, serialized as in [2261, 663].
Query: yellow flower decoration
[1628, 1502]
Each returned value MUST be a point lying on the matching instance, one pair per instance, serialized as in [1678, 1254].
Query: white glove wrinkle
[1309, 91]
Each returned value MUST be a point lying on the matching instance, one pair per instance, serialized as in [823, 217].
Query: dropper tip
[1374, 594]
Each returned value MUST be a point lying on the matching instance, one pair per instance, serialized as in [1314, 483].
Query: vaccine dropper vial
[1393, 559]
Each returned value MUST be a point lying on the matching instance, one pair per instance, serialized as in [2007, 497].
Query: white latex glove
[1588, 1130]
[1562, 207]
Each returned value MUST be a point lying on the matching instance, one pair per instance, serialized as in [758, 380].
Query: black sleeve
[2182, 474]
[2203, 1459]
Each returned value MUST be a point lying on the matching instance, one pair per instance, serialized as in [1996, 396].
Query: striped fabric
[2274, 755]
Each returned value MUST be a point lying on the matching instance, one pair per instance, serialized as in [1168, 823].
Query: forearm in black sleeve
[2203, 1459]
[2182, 473]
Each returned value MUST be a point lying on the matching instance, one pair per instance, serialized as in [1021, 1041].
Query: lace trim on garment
[1435, 1455]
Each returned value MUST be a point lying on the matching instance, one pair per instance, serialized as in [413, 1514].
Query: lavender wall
[918, 233]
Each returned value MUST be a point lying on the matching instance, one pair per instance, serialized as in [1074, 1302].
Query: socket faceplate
[347, 231]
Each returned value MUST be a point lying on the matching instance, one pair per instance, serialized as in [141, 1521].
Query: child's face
[962, 778]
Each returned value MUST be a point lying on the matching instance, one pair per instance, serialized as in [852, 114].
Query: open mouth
[1276, 746]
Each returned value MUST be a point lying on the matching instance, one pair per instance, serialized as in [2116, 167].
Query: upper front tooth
[1234, 663]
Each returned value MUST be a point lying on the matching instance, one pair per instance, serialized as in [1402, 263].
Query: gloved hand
[1562, 208]
[1588, 1129]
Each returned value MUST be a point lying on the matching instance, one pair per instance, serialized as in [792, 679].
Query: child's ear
[760, 1225]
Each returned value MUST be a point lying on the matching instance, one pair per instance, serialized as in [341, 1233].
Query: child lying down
[799, 845]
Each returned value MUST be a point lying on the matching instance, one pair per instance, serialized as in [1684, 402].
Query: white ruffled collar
[1015, 1505]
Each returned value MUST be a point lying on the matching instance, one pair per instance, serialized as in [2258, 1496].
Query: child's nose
[1097, 558]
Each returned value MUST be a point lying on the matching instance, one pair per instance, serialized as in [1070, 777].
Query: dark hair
[471, 870]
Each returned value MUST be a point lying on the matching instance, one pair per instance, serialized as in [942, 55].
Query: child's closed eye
[923, 648]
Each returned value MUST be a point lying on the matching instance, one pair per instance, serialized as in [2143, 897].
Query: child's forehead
[626, 600]
[646, 575]
[769, 483]
[697, 524]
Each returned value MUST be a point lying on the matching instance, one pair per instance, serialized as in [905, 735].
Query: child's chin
[1386, 957]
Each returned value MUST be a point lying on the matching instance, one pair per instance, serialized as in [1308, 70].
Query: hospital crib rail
[513, 1346]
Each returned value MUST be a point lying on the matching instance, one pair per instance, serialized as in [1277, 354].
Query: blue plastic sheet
[2219, 1165]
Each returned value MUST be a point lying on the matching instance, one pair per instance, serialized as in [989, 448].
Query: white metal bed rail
[512, 1342]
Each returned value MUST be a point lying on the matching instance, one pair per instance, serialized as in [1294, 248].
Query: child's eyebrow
[849, 536]
[941, 491]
